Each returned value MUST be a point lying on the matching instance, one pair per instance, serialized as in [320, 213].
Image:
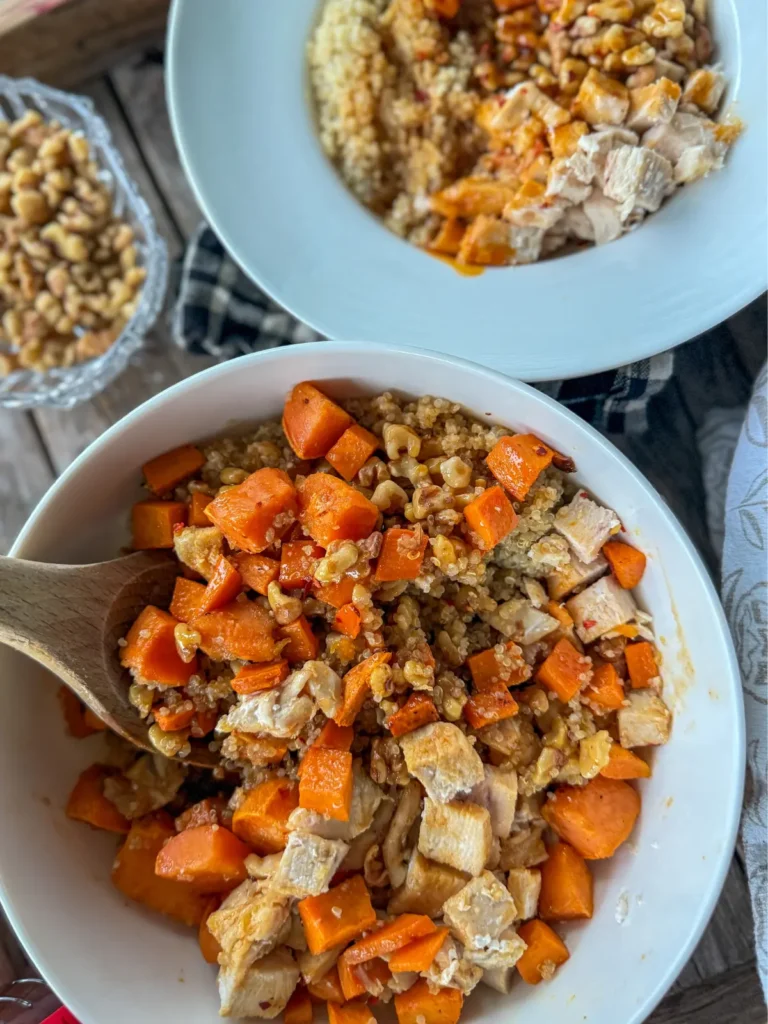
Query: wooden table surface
[73, 47]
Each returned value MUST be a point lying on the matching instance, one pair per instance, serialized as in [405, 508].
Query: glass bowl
[65, 387]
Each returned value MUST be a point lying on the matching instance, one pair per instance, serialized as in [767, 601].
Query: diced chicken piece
[523, 849]
[518, 620]
[575, 574]
[524, 885]
[308, 864]
[534, 591]
[441, 757]
[601, 608]
[645, 722]
[199, 548]
[323, 684]
[480, 912]
[499, 979]
[263, 991]
[451, 969]
[282, 713]
[564, 140]
[498, 794]
[705, 88]
[150, 783]
[393, 849]
[471, 197]
[683, 131]
[375, 833]
[542, 211]
[603, 216]
[638, 179]
[513, 739]
[251, 921]
[401, 981]
[486, 243]
[586, 526]
[456, 834]
[565, 181]
[525, 99]
[529, 810]
[314, 966]
[427, 886]
[665, 68]
[499, 953]
[366, 797]
[578, 225]
[697, 162]
[601, 100]
[262, 867]
[653, 104]
[525, 244]
[295, 938]
[593, 149]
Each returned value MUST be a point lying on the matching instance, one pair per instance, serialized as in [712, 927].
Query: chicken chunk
[518, 620]
[441, 757]
[314, 966]
[281, 713]
[601, 100]
[670, 69]
[638, 179]
[499, 979]
[525, 243]
[653, 104]
[249, 924]
[696, 162]
[645, 722]
[524, 885]
[565, 180]
[533, 207]
[263, 991]
[366, 797]
[480, 912]
[451, 969]
[524, 99]
[601, 608]
[564, 581]
[262, 867]
[427, 886]
[373, 835]
[705, 88]
[456, 834]
[593, 149]
[323, 684]
[499, 953]
[523, 849]
[683, 131]
[308, 864]
[199, 548]
[150, 783]
[603, 216]
[586, 526]
[498, 794]
[577, 225]
[513, 739]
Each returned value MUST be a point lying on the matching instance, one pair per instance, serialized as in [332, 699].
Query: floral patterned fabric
[14, 12]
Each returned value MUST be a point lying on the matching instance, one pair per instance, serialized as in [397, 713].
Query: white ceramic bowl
[111, 961]
[239, 101]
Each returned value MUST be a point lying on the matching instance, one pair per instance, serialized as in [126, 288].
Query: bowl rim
[659, 334]
[201, 380]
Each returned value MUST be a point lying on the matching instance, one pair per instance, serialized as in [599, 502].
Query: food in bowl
[69, 273]
[412, 639]
[499, 132]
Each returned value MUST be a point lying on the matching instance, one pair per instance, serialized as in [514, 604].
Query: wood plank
[734, 997]
[81, 38]
[25, 473]
[139, 82]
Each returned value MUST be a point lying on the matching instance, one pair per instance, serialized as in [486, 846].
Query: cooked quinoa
[500, 131]
[412, 640]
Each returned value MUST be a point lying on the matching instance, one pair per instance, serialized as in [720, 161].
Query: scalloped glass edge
[67, 387]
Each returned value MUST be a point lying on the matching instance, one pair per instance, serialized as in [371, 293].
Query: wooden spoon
[70, 617]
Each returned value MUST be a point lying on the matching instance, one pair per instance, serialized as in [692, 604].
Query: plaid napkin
[221, 312]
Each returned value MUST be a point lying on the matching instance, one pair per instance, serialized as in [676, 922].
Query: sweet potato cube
[444, 8]
[490, 667]
[198, 503]
[337, 594]
[545, 952]
[209, 858]
[257, 571]
[79, 725]
[327, 989]
[335, 737]
[134, 873]
[302, 644]
[517, 462]
[241, 630]
[402, 554]
[163, 473]
[594, 819]
[628, 563]
[566, 886]
[254, 678]
[299, 1009]
[624, 764]
[176, 718]
[490, 705]
[357, 686]
[150, 649]
[486, 243]
[187, 598]
[641, 665]
[351, 452]
[152, 523]
[350, 1013]
[257, 512]
[325, 782]
[261, 820]
[472, 197]
[330, 509]
[223, 586]
[297, 562]
[348, 621]
[418, 955]
[605, 690]
[565, 671]
[491, 517]
[388, 939]
[421, 1006]
[323, 928]
[210, 811]
[209, 946]
[312, 422]
[418, 710]
[87, 802]
[447, 241]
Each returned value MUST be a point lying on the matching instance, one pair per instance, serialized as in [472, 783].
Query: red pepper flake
[421, 96]
[583, 494]
[178, 527]
[589, 623]
[541, 451]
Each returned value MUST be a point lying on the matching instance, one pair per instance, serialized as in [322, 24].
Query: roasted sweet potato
[328, 988]
[418, 710]
[490, 705]
[241, 630]
[628, 563]
[153, 522]
[351, 452]
[223, 586]
[255, 513]
[624, 764]
[210, 811]
[335, 737]
[595, 819]
[491, 517]
[299, 1009]
[87, 802]
[418, 955]
[641, 665]
[491, 667]
[404, 930]
[419, 1005]
[209, 859]
[325, 782]
[198, 503]
[605, 690]
[209, 946]
[546, 951]
[348, 621]
[261, 819]
[402, 555]
[323, 928]
[565, 671]
[350, 1013]
[257, 571]
[357, 686]
[302, 644]
[187, 599]
[78, 723]
[337, 594]
[330, 509]
[297, 561]
[150, 649]
[517, 462]
[566, 886]
[312, 422]
[166, 471]
[254, 678]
